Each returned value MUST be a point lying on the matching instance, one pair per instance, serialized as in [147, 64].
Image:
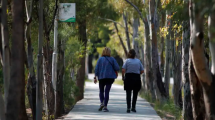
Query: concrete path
[88, 107]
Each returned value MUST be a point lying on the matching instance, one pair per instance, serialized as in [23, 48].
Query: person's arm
[141, 68]
[96, 71]
[124, 67]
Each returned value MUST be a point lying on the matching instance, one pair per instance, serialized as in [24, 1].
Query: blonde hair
[106, 51]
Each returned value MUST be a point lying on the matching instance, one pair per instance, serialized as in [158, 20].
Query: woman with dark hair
[131, 71]
[106, 71]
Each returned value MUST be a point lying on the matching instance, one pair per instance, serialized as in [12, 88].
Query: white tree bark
[45, 105]
[211, 35]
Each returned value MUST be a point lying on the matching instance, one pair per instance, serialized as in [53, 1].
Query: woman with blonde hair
[106, 71]
[131, 70]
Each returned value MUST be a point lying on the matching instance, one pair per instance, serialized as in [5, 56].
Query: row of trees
[27, 43]
[173, 33]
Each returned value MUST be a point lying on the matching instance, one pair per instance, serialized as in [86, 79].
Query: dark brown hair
[131, 53]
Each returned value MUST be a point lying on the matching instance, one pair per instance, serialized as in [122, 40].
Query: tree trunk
[163, 20]
[126, 30]
[59, 85]
[123, 46]
[143, 75]
[48, 76]
[197, 100]
[39, 92]
[16, 99]
[31, 85]
[156, 75]
[81, 72]
[167, 54]
[2, 101]
[177, 77]
[187, 105]
[147, 62]
[45, 105]
[5, 49]
[206, 78]
[135, 36]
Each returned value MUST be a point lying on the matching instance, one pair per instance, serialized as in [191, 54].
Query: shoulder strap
[110, 63]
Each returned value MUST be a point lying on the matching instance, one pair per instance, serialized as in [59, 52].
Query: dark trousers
[128, 98]
[104, 90]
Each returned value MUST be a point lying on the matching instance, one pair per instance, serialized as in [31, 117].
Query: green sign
[67, 12]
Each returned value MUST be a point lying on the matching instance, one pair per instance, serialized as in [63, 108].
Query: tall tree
[204, 74]
[156, 75]
[187, 105]
[197, 99]
[5, 48]
[82, 25]
[167, 53]
[2, 101]
[16, 98]
[31, 85]
[121, 41]
[39, 92]
[136, 46]
[59, 110]
[125, 19]
[48, 21]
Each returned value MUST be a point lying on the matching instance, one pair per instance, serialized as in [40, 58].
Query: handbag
[113, 67]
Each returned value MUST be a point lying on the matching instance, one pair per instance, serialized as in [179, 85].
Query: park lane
[87, 108]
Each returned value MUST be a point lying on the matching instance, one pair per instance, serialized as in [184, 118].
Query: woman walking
[131, 71]
[106, 71]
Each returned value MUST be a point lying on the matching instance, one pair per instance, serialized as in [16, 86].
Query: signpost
[67, 13]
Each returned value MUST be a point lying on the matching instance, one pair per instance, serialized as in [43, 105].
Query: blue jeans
[104, 87]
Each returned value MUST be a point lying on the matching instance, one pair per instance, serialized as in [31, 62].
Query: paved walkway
[88, 107]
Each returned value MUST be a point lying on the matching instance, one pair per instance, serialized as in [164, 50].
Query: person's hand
[95, 81]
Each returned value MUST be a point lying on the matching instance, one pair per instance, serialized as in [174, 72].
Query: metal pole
[39, 95]
[54, 59]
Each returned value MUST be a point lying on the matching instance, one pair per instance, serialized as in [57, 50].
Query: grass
[166, 110]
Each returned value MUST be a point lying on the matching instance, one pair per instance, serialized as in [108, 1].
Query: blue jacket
[104, 69]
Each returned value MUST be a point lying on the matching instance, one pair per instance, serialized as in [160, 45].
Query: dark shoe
[133, 110]
[128, 110]
[105, 109]
[101, 107]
